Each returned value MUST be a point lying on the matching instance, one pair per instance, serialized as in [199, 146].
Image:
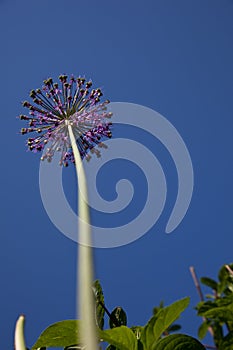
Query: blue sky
[172, 56]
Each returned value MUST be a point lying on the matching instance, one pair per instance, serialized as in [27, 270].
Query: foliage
[216, 311]
[60, 334]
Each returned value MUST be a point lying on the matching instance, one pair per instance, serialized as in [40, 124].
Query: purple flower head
[54, 107]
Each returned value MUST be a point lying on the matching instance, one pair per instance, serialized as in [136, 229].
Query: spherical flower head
[54, 107]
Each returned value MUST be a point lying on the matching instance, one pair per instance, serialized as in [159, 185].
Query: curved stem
[19, 334]
[86, 304]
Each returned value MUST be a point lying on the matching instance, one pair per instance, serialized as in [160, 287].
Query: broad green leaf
[161, 321]
[227, 342]
[203, 329]
[147, 333]
[60, 334]
[178, 342]
[168, 315]
[120, 337]
[99, 309]
[118, 318]
[209, 282]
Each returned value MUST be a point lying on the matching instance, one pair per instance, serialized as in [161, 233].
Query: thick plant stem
[86, 306]
[19, 334]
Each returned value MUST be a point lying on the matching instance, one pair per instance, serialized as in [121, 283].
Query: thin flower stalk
[71, 119]
[86, 304]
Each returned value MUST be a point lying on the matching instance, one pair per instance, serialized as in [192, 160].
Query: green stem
[86, 304]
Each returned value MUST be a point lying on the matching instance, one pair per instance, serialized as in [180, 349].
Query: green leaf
[209, 282]
[99, 309]
[227, 342]
[60, 334]
[157, 308]
[222, 314]
[223, 273]
[174, 328]
[168, 315]
[118, 318]
[160, 322]
[204, 306]
[220, 310]
[226, 280]
[121, 337]
[203, 329]
[178, 342]
[226, 301]
[147, 333]
[218, 333]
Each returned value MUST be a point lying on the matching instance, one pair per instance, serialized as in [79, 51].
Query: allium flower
[55, 107]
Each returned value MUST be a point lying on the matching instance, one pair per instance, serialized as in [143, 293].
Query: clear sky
[172, 56]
